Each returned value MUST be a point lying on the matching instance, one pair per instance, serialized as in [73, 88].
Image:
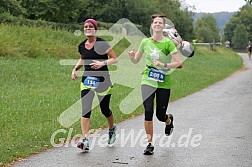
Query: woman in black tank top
[95, 56]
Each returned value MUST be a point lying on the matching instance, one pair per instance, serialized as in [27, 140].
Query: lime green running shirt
[161, 51]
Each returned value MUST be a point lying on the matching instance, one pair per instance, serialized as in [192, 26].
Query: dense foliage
[75, 11]
[242, 17]
[138, 12]
[206, 29]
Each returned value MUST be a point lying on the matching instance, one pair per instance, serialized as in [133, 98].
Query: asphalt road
[212, 128]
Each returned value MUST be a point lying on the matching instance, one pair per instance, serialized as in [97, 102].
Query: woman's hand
[135, 56]
[158, 63]
[78, 65]
[97, 64]
[74, 74]
[131, 54]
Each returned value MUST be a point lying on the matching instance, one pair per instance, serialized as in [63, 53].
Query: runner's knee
[86, 114]
[106, 112]
[148, 115]
[161, 117]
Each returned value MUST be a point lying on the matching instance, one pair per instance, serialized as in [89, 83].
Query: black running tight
[162, 99]
[87, 97]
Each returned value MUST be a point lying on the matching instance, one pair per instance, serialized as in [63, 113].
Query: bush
[9, 19]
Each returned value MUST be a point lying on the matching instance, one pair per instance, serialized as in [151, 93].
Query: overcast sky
[211, 6]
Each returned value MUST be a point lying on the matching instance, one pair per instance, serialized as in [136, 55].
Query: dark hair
[158, 15]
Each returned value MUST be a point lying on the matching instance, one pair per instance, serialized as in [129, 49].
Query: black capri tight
[87, 97]
[162, 100]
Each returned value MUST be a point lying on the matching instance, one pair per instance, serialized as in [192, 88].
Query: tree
[230, 27]
[63, 11]
[139, 12]
[240, 37]
[35, 8]
[249, 1]
[11, 6]
[206, 29]
[104, 10]
[244, 16]
[111, 11]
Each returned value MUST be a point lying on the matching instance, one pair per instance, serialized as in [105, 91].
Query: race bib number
[156, 75]
[91, 82]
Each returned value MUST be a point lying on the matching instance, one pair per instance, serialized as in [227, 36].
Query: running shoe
[169, 128]
[83, 144]
[112, 135]
[149, 149]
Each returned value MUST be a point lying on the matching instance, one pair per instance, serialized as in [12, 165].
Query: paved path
[212, 128]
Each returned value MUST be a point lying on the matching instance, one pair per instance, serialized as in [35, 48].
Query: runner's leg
[148, 95]
[86, 101]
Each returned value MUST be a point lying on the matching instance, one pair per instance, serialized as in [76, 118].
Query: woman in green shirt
[161, 55]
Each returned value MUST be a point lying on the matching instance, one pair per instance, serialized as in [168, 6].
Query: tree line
[138, 12]
[239, 29]
[76, 11]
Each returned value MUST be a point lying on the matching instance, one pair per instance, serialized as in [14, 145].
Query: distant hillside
[221, 17]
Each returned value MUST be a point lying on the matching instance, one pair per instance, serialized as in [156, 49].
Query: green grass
[36, 89]
[204, 69]
[35, 42]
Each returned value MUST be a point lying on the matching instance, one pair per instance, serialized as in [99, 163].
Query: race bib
[156, 75]
[91, 82]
